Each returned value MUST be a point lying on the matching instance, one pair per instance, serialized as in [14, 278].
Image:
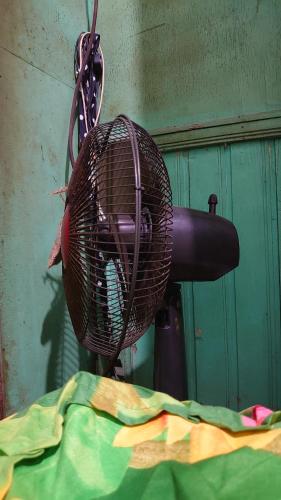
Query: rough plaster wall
[174, 62]
[36, 86]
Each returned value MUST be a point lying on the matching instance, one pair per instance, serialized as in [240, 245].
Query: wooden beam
[240, 128]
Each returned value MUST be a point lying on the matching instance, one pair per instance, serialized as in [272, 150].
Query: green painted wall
[167, 64]
[173, 62]
[36, 86]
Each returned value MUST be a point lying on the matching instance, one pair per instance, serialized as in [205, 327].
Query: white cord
[102, 87]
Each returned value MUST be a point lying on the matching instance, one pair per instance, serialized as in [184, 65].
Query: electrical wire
[89, 91]
[78, 84]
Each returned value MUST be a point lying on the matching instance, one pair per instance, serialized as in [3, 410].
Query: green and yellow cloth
[98, 438]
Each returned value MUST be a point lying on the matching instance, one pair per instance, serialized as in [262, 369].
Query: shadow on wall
[66, 355]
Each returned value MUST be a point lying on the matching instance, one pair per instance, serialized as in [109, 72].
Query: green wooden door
[232, 326]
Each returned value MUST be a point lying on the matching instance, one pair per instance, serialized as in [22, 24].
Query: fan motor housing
[205, 246]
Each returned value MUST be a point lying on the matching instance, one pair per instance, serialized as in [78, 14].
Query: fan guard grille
[116, 236]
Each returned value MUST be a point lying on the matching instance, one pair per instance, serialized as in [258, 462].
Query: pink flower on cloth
[255, 415]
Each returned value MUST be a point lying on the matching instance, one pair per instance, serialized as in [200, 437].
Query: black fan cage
[118, 241]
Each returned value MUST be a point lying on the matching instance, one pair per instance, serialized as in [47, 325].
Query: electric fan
[116, 236]
[123, 246]
[122, 240]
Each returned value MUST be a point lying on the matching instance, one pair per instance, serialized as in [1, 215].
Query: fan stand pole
[169, 351]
